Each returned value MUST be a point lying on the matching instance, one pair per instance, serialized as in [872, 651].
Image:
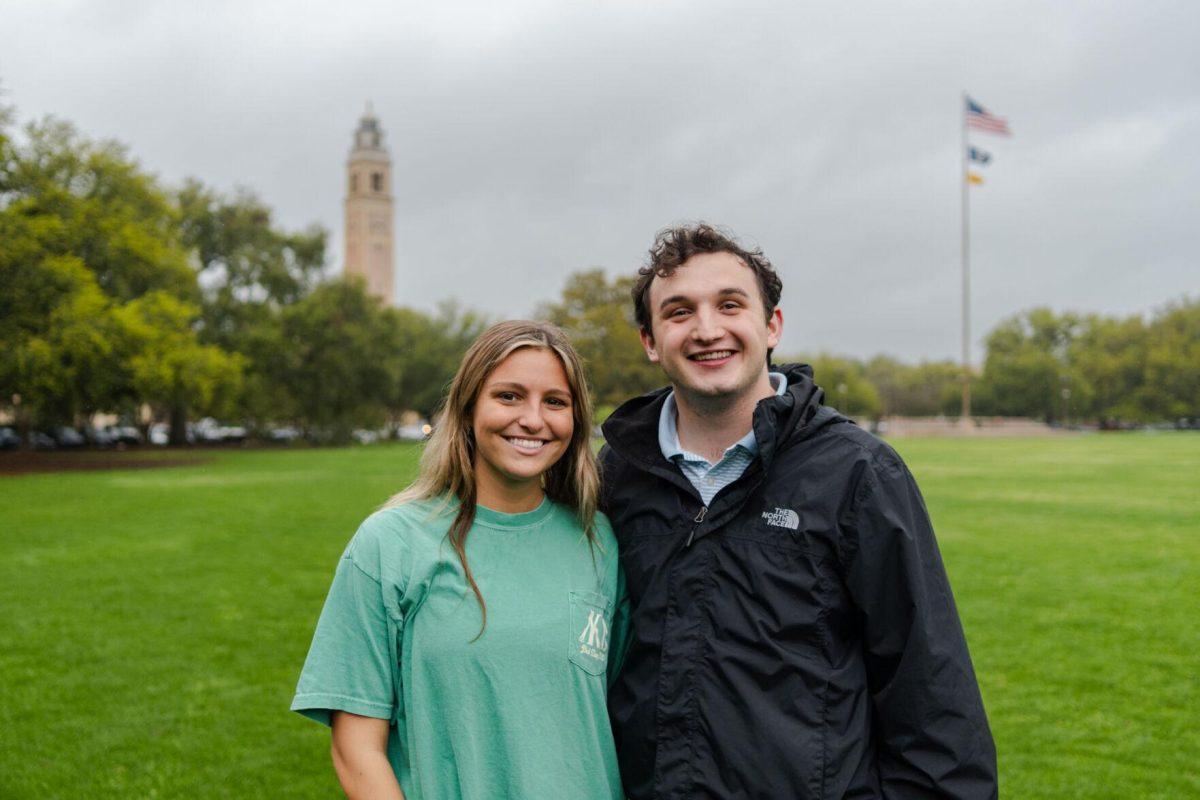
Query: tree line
[121, 293]
[1061, 368]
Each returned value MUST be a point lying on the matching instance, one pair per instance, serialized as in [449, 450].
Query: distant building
[369, 241]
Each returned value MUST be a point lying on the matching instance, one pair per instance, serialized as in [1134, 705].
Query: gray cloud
[531, 140]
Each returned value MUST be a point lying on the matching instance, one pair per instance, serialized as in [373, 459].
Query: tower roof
[368, 139]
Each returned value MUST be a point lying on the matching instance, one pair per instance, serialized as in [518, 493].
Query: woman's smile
[526, 445]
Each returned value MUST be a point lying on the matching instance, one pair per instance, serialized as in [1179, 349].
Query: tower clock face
[378, 224]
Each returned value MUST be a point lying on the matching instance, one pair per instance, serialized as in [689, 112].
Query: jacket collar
[632, 430]
[668, 431]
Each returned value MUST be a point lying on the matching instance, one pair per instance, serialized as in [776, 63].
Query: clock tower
[369, 242]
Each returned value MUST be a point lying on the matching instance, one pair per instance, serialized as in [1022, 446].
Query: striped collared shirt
[709, 478]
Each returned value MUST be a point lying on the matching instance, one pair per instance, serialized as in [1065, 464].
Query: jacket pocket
[591, 618]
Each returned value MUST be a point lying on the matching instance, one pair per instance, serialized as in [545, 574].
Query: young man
[794, 632]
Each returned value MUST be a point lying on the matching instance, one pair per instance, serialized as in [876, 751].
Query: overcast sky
[534, 139]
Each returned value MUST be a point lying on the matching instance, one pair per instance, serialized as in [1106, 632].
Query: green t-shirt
[518, 713]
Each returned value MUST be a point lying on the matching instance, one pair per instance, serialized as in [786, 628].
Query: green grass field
[154, 621]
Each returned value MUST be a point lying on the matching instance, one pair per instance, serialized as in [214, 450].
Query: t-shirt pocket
[590, 621]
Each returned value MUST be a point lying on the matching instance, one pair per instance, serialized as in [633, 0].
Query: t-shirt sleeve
[353, 663]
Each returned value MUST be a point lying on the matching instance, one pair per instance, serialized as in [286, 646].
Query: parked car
[99, 437]
[210, 431]
[205, 430]
[159, 434]
[418, 432]
[40, 440]
[365, 437]
[66, 436]
[9, 439]
[285, 434]
[125, 434]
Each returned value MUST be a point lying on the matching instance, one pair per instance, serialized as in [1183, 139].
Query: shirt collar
[668, 433]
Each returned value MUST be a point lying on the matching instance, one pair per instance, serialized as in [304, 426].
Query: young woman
[465, 645]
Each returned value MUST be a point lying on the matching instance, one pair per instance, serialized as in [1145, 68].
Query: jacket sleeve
[931, 734]
[606, 464]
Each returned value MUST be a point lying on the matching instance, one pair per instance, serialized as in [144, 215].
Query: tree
[340, 360]
[598, 316]
[249, 270]
[926, 389]
[1026, 371]
[85, 231]
[169, 367]
[108, 212]
[845, 384]
[430, 349]
[56, 334]
[1106, 360]
[246, 264]
[1171, 386]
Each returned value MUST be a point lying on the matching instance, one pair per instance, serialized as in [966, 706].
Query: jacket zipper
[699, 518]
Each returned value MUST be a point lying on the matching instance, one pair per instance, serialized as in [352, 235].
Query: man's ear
[774, 328]
[648, 345]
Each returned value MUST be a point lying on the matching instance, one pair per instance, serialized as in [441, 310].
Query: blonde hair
[448, 463]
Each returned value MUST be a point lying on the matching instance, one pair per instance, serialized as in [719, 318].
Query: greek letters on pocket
[588, 643]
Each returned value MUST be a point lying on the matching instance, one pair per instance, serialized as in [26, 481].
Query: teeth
[531, 444]
[713, 356]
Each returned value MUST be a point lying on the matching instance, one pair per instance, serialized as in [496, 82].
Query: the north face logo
[782, 518]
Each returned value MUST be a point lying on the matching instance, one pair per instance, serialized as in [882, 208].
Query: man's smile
[711, 355]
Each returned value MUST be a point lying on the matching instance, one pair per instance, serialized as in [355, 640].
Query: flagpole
[966, 271]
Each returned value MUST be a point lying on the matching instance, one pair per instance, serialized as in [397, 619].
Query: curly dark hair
[673, 246]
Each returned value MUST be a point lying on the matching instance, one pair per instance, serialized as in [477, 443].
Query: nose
[530, 417]
[707, 326]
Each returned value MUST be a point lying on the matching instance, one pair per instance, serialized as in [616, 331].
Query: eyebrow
[682, 298]
[507, 385]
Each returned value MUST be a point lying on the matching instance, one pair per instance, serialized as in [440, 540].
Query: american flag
[980, 119]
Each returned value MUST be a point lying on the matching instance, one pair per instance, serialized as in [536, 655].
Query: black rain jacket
[796, 639]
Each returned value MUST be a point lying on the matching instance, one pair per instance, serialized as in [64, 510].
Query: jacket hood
[632, 430]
